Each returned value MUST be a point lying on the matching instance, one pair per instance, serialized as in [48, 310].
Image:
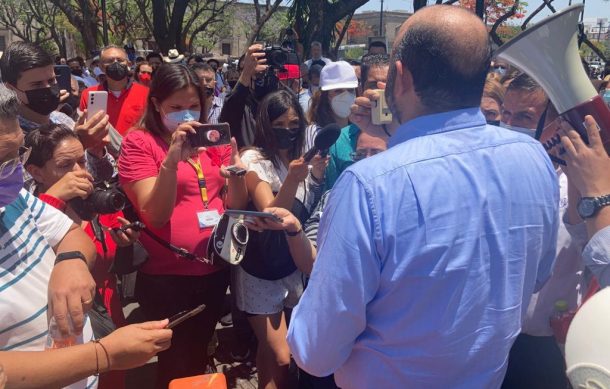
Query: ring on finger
[87, 302]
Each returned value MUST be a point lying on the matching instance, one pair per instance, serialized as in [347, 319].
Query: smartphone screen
[63, 76]
[183, 316]
[264, 215]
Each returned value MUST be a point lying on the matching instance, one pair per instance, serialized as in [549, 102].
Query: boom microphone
[325, 138]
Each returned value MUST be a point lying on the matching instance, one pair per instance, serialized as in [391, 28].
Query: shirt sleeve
[255, 163]
[345, 278]
[596, 256]
[313, 223]
[136, 161]
[52, 223]
[549, 253]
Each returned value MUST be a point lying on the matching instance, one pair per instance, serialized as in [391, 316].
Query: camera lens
[106, 201]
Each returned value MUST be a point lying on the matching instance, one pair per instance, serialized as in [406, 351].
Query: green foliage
[353, 53]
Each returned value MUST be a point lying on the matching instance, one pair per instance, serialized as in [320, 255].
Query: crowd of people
[444, 249]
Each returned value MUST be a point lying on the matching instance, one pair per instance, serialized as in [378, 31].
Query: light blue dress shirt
[597, 256]
[428, 256]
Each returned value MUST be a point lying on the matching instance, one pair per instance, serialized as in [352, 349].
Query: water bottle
[560, 322]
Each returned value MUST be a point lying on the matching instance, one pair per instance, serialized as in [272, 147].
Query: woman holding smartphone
[268, 281]
[179, 193]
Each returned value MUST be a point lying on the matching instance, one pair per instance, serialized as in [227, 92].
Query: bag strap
[181, 252]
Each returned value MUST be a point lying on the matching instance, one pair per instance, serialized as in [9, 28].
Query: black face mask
[117, 71]
[78, 72]
[493, 122]
[73, 101]
[232, 84]
[43, 100]
[285, 137]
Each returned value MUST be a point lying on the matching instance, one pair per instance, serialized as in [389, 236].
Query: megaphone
[548, 52]
[587, 344]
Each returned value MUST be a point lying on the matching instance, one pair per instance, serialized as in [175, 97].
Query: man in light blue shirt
[430, 251]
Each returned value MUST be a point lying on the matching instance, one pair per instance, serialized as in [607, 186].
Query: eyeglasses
[7, 168]
[113, 60]
[363, 153]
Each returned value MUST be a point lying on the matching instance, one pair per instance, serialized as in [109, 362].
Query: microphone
[325, 138]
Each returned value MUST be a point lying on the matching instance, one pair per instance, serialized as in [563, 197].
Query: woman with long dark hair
[268, 281]
[178, 192]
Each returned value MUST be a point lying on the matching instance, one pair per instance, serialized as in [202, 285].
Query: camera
[276, 56]
[106, 198]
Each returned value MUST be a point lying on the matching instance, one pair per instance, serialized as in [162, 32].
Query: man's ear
[404, 80]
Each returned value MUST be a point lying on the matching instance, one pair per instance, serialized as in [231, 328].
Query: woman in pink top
[179, 193]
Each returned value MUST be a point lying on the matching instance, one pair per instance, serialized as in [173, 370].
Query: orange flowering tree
[494, 9]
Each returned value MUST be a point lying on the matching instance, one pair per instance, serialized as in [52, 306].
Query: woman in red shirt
[57, 164]
[178, 193]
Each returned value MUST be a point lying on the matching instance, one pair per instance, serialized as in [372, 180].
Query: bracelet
[385, 129]
[70, 255]
[97, 361]
[99, 341]
[293, 234]
[53, 201]
[164, 166]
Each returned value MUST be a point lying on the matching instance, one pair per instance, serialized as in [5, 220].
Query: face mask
[172, 120]
[522, 130]
[43, 100]
[232, 84]
[73, 101]
[606, 96]
[117, 71]
[342, 104]
[500, 71]
[493, 122]
[10, 186]
[78, 72]
[145, 78]
[286, 137]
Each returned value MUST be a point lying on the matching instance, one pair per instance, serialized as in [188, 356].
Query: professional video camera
[277, 56]
[106, 198]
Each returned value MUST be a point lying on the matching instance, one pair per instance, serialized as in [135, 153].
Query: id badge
[208, 218]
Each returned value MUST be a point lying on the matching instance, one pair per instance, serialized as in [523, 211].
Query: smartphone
[236, 171]
[96, 101]
[211, 135]
[183, 316]
[380, 113]
[136, 226]
[63, 75]
[251, 214]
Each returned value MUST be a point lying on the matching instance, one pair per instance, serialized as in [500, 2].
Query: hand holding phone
[183, 316]
[380, 112]
[253, 214]
[210, 135]
[96, 101]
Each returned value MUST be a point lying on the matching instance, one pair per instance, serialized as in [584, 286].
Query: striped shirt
[28, 231]
[313, 223]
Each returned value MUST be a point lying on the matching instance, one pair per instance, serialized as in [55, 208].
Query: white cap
[97, 71]
[587, 344]
[173, 56]
[338, 75]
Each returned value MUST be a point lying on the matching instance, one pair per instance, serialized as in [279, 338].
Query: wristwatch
[70, 255]
[589, 206]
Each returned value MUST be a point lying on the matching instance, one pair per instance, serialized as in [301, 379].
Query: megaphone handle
[597, 108]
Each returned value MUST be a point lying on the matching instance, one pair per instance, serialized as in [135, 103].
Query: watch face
[586, 207]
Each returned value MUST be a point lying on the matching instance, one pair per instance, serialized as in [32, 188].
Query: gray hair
[9, 103]
[316, 44]
[108, 47]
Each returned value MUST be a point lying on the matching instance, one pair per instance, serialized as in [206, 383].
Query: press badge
[208, 218]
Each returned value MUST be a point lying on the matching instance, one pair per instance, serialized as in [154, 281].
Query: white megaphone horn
[548, 52]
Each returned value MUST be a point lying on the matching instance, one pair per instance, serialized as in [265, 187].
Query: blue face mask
[172, 120]
[10, 186]
[523, 130]
[606, 96]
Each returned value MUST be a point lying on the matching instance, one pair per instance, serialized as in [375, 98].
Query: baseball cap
[290, 72]
[338, 75]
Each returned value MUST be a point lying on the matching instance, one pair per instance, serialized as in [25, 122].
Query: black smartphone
[183, 316]
[136, 226]
[211, 135]
[63, 76]
[264, 215]
[236, 171]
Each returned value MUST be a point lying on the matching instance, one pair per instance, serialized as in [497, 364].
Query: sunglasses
[363, 153]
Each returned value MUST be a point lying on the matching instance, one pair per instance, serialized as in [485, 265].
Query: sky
[593, 8]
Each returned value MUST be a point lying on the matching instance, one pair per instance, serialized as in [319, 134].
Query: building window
[226, 49]
[2, 43]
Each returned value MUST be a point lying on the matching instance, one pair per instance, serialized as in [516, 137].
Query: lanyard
[200, 180]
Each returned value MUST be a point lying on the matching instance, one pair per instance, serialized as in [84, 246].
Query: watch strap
[70, 255]
[293, 234]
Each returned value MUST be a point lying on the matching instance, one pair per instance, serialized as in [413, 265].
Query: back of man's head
[9, 104]
[448, 63]
[22, 56]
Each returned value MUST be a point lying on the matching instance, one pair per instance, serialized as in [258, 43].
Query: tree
[263, 14]
[83, 15]
[355, 29]
[315, 20]
[494, 9]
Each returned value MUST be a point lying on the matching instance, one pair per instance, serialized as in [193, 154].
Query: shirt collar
[438, 123]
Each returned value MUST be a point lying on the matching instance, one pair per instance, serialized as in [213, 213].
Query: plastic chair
[206, 381]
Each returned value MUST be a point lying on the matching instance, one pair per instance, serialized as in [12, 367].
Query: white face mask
[342, 104]
[172, 120]
[522, 130]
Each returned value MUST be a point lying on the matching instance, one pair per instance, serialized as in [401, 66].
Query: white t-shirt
[29, 229]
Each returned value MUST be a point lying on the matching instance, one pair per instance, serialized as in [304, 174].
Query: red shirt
[141, 156]
[124, 111]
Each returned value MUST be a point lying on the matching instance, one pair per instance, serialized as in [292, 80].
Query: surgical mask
[606, 96]
[500, 71]
[43, 100]
[527, 131]
[342, 104]
[172, 120]
[10, 186]
[117, 71]
[77, 72]
[145, 78]
[285, 137]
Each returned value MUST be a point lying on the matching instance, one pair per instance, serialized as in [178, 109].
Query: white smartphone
[380, 113]
[96, 101]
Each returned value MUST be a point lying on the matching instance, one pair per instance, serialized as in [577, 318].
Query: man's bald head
[446, 49]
